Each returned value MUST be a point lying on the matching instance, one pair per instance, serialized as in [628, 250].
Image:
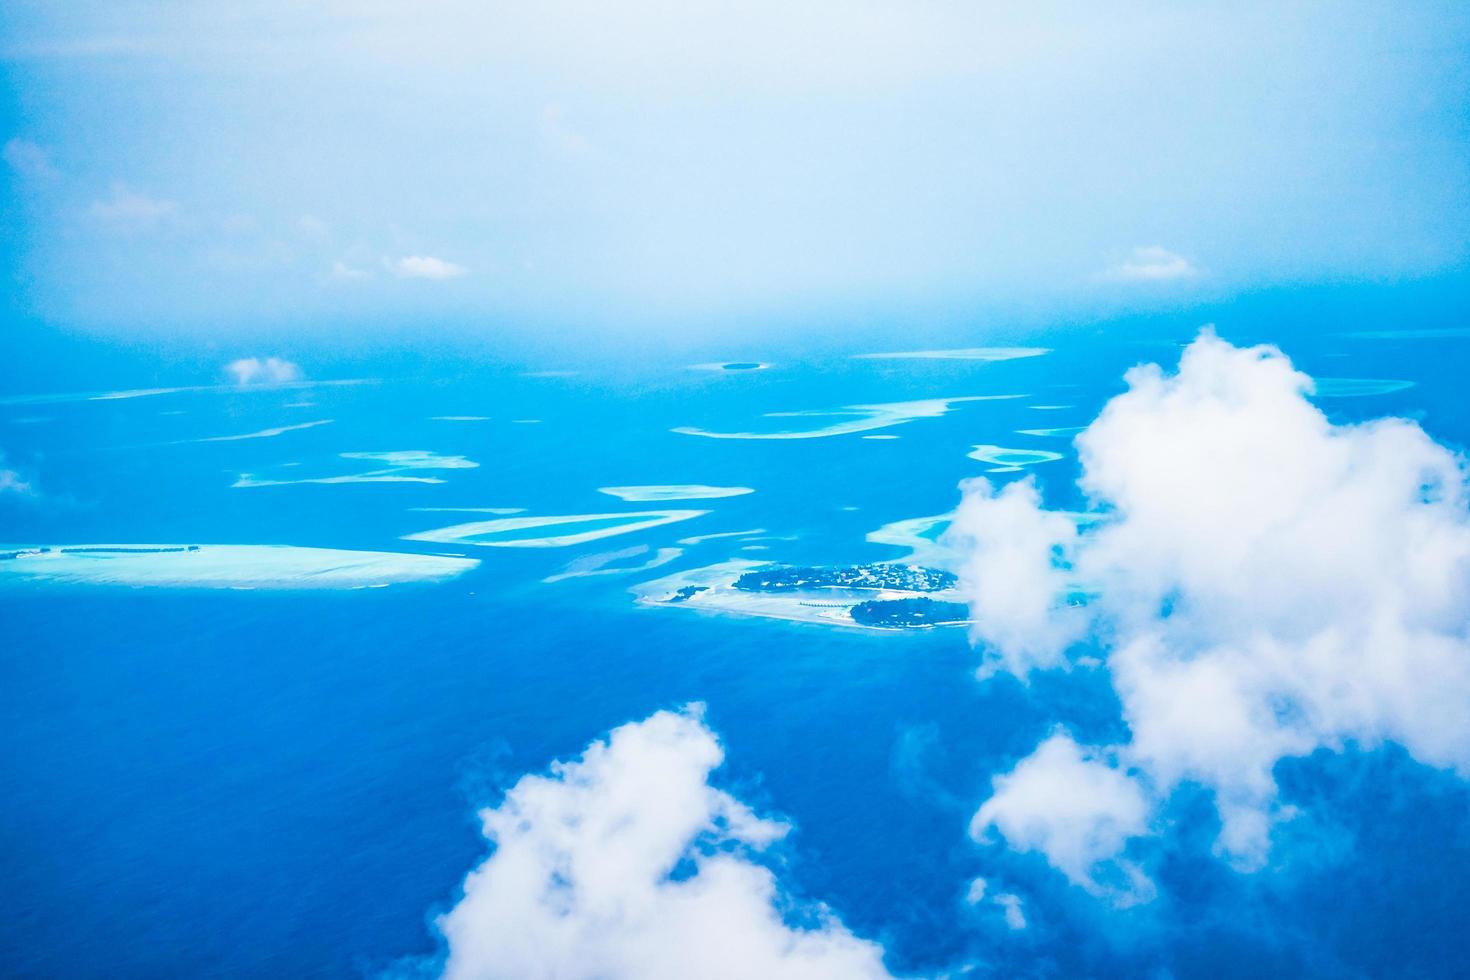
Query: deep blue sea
[261, 783]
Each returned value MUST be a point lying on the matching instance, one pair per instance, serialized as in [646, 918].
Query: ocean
[264, 782]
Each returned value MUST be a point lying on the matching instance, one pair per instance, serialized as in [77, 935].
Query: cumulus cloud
[1018, 593]
[627, 863]
[1265, 584]
[128, 207]
[1076, 808]
[28, 159]
[1150, 263]
[263, 371]
[12, 483]
[426, 267]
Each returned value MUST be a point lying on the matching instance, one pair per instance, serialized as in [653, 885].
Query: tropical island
[877, 595]
[877, 575]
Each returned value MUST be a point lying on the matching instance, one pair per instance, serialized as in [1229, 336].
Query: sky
[200, 165]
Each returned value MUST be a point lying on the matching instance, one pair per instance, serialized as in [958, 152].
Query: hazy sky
[198, 162]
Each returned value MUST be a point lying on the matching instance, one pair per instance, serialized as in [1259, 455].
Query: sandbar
[700, 538]
[1011, 460]
[921, 536]
[605, 563]
[673, 491]
[1059, 433]
[1357, 387]
[127, 394]
[554, 531]
[403, 465]
[860, 418]
[223, 566]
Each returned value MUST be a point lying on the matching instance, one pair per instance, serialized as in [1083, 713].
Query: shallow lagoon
[1012, 460]
[552, 532]
[1357, 387]
[402, 466]
[861, 418]
[674, 491]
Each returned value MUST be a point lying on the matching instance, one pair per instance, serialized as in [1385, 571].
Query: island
[889, 596]
[909, 613]
[730, 366]
[879, 575]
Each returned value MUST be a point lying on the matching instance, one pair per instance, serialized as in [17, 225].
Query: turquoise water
[258, 783]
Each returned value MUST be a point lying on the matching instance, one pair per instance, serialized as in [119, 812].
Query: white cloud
[976, 893]
[348, 273]
[1150, 263]
[1011, 906]
[1267, 583]
[1014, 909]
[582, 884]
[127, 207]
[263, 371]
[1077, 809]
[426, 267]
[12, 482]
[28, 159]
[1018, 595]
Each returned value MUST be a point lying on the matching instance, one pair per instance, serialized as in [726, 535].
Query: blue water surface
[251, 783]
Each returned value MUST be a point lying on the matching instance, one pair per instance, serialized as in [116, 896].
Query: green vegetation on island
[910, 613]
[878, 575]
